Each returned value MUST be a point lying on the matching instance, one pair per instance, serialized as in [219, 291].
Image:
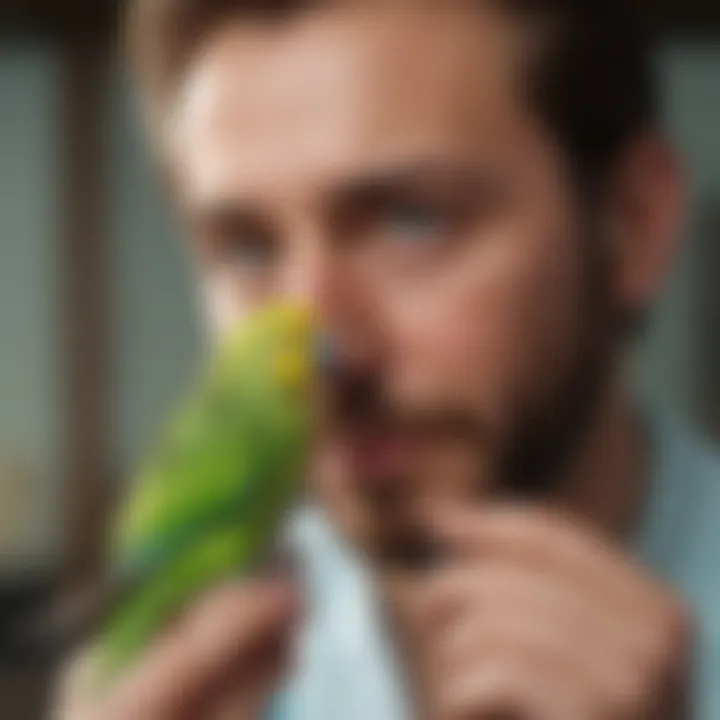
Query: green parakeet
[206, 506]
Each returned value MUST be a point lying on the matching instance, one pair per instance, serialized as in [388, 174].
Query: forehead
[284, 106]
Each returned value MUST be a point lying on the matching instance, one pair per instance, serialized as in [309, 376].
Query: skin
[386, 167]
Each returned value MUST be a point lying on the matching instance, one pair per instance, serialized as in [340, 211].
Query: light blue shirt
[347, 671]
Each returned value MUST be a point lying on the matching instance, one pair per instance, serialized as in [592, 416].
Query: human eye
[414, 223]
[239, 245]
[250, 253]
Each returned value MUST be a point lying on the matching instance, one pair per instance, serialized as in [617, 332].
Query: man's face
[386, 167]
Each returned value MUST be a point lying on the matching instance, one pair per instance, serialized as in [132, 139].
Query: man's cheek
[466, 360]
[462, 341]
[460, 469]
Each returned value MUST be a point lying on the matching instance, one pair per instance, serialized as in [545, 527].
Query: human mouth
[382, 460]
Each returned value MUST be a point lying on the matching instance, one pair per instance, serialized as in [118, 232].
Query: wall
[28, 292]
[157, 340]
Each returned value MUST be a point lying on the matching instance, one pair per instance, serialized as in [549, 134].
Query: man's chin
[387, 535]
[413, 548]
[383, 514]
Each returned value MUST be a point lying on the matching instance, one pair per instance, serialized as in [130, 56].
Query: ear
[646, 205]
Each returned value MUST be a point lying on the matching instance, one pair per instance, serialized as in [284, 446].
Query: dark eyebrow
[225, 213]
[388, 181]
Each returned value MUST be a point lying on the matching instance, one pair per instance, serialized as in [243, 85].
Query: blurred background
[98, 329]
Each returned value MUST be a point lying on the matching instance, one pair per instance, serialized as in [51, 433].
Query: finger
[75, 688]
[245, 695]
[507, 610]
[580, 659]
[219, 635]
[509, 687]
[496, 586]
[472, 610]
[548, 540]
[495, 581]
[545, 668]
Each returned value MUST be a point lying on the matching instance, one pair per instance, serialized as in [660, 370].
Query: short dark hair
[593, 81]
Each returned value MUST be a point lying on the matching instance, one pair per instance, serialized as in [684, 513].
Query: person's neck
[606, 478]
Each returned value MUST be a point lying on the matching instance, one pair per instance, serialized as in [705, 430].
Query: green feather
[206, 505]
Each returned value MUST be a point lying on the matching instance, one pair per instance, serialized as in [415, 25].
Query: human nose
[321, 277]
